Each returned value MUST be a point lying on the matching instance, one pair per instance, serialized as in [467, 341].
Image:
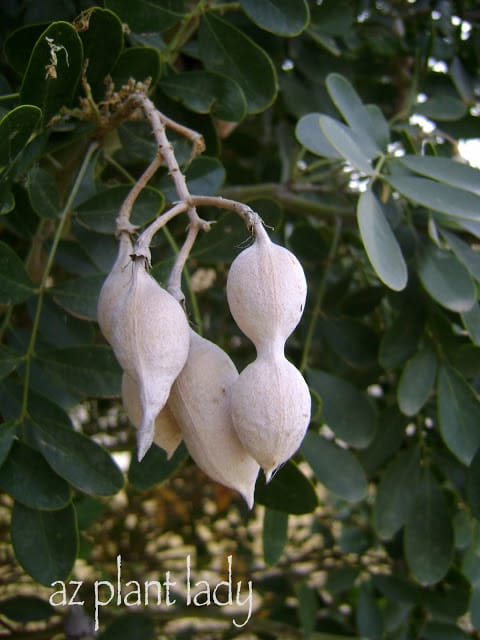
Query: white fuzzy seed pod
[167, 432]
[266, 290]
[271, 408]
[150, 337]
[200, 402]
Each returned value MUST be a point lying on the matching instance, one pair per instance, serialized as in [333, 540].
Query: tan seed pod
[167, 432]
[115, 285]
[150, 337]
[271, 408]
[200, 402]
[266, 290]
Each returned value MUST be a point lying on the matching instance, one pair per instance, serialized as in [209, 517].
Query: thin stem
[46, 274]
[320, 295]
[145, 238]
[174, 284]
[9, 96]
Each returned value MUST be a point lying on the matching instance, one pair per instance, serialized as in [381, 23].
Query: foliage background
[310, 114]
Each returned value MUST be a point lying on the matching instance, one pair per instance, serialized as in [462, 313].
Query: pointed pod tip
[144, 438]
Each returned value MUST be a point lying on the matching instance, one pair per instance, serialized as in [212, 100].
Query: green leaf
[207, 92]
[474, 608]
[148, 16]
[100, 212]
[80, 296]
[344, 141]
[288, 491]
[428, 539]
[455, 174]
[26, 609]
[443, 108]
[473, 485]
[227, 50]
[349, 104]
[45, 542]
[471, 321]
[130, 625]
[346, 409]
[417, 381]
[102, 41]
[388, 439]
[282, 17]
[15, 285]
[26, 476]
[16, 128]
[380, 242]
[453, 202]
[7, 435]
[204, 177]
[458, 414]
[43, 193]
[54, 69]
[139, 63]
[19, 45]
[307, 607]
[155, 467]
[400, 340]
[90, 370]
[326, 459]
[352, 340]
[446, 279]
[310, 135]
[466, 255]
[78, 459]
[274, 535]
[368, 615]
[396, 492]
[9, 361]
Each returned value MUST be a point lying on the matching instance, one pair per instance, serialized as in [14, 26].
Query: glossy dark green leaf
[417, 381]
[465, 253]
[16, 128]
[207, 92]
[7, 435]
[45, 542]
[368, 615]
[99, 212]
[139, 63]
[148, 16]
[26, 609]
[7, 201]
[9, 361]
[344, 141]
[389, 436]
[15, 284]
[288, 491]
[282, 17]
[274, 535]
[59, 328]
[43, 193]
[380, 242]
[471, 321]
[78, 459]
[54, 69]
[396, 492]
[326, 459]
[27, 477]
[19, 45]
[310, 135]
[80, 296]
[347, 410]
[91, 370]
[227, 50]
[400, 340]
[428, 537]
[155, 467]
[452, 201]
[443, 108]
[395, 588]
[473, 485]
[446, 279]
[456, 174]
[130, 625]
[101, 34]
[349, 104]
[458, 414]
[352, 340]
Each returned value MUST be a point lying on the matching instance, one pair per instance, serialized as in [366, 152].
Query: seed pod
[266, 290]
[271, 410]
[115, 285]
[200, 402]
[150, 338]
[167, 432]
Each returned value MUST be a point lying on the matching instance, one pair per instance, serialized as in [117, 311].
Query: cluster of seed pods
[179, 386]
